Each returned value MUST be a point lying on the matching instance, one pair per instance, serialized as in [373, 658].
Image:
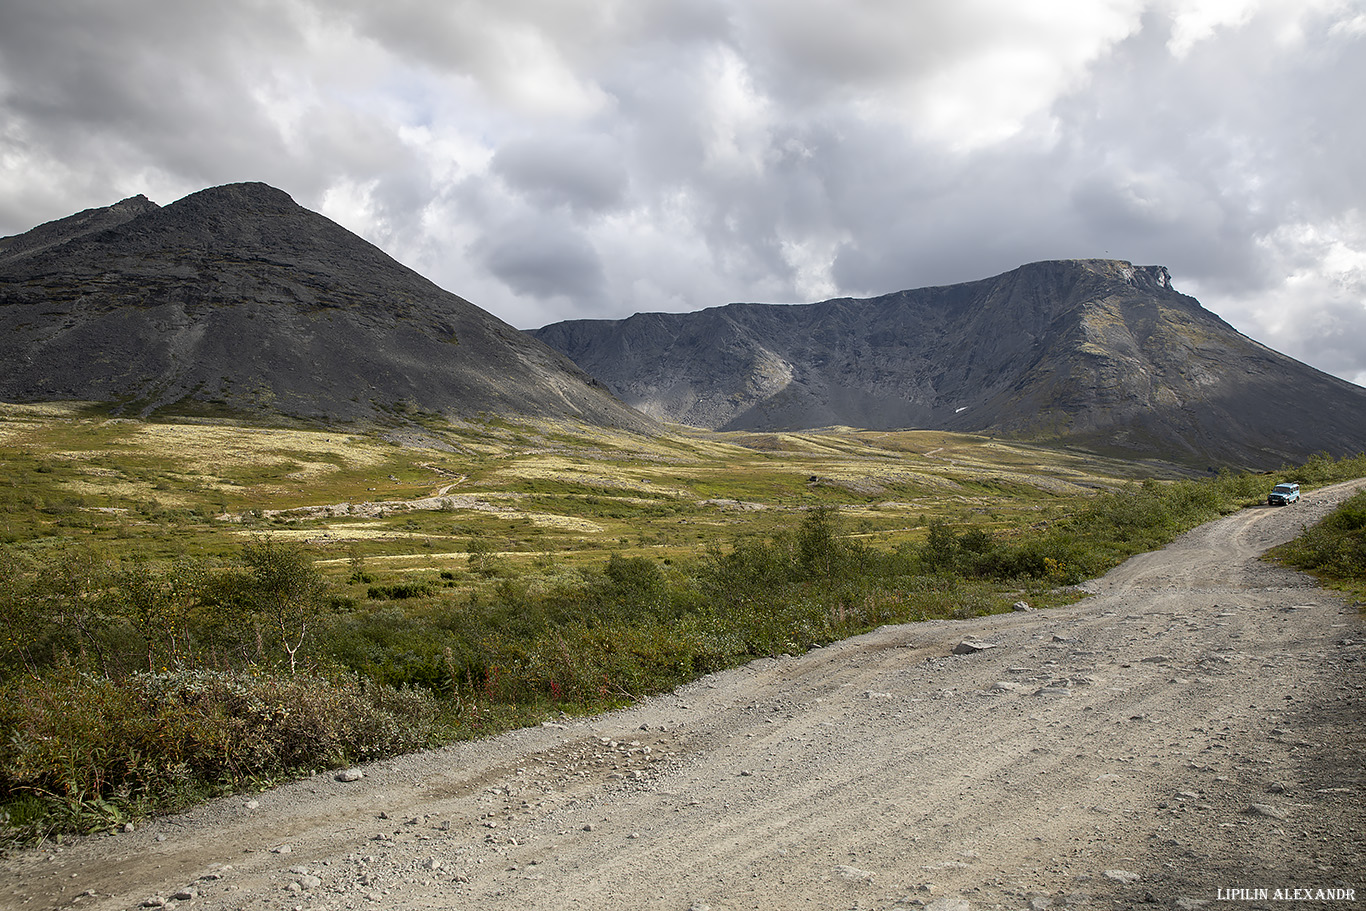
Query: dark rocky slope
[1099, 353]
[238, 298]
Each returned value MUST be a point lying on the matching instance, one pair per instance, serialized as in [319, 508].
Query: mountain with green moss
[1097, 353]
[236, 299]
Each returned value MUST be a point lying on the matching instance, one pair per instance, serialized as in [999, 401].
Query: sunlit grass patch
[204, 447]
[570, 474]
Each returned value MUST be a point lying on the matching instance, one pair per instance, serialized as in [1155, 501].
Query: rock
[282, 849]
[854, 874]
[1052, 690]
[1122, 876]
[1266, 809]
[1190, 904]
[949, 904]
[309, 882]
[129, 827]
[1021, 606]
[156, 901]
[252, 804]
[185, 895]
[971, 647]
[350, 775]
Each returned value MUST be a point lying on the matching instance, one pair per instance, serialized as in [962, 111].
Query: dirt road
[1194, 726]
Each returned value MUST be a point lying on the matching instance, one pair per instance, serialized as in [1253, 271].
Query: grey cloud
[542, 258]
[116, 91]
[585, 173]
[1330, 337]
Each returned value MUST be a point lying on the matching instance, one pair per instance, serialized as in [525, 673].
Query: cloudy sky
[550, 159]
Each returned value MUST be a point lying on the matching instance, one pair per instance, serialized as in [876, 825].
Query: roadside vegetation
[170, 636]
[1334, 550]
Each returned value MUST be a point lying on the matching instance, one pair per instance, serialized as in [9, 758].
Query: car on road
[1283, 495]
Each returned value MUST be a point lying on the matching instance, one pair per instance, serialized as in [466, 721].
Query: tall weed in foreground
[91, 751]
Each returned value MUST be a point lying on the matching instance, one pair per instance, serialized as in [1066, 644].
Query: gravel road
[1194, 727]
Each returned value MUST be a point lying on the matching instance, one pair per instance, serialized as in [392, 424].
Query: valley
[412, 499]
[1190, 727]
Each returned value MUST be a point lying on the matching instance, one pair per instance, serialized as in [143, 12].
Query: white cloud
[1315, 308]
[1197, 20]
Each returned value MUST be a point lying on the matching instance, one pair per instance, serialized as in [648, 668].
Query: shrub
[98, 750]
[1335, 548]
[398, 591]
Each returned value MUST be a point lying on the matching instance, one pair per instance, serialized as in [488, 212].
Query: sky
[558, 159]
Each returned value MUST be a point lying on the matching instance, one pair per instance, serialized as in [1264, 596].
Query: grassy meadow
[196, 607]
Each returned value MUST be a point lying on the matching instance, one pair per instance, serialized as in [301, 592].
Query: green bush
[398, 591]
[1335, 548]
[99, 750]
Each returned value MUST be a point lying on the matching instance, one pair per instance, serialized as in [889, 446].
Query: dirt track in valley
[1193, 726]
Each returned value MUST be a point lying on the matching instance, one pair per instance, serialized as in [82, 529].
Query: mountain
[236, 297]
[1098, 353]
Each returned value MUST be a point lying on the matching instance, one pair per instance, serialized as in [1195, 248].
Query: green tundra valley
[197, 605]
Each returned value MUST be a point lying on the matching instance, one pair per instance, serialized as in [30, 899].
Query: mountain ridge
[1099, 353]
[236, 297]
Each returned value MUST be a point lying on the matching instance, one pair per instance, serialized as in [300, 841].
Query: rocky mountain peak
[64, 230]
[239, 201]
[1098, 352]
[238, 298]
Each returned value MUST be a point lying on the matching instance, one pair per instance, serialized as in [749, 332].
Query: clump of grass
[85, 752]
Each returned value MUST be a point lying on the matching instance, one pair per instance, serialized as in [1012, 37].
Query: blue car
[1283, 495]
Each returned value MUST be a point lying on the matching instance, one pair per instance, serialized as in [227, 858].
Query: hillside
[1098, 353]
[237, 299]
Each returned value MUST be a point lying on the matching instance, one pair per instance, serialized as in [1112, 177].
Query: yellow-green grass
[528, 490]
